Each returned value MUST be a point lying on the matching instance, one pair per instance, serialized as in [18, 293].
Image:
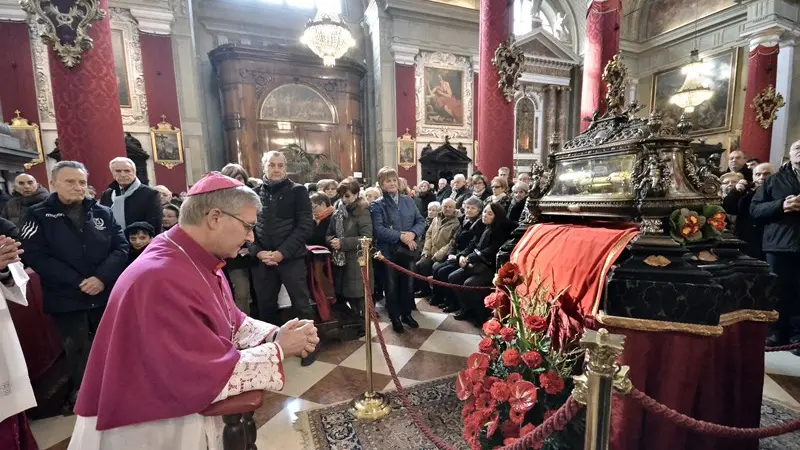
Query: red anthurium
[494, 424]
[463, 386]
[523, 396]
[478, 361]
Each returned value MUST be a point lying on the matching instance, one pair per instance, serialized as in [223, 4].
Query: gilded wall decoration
[406, 151]
[67, 32]
[128, 67]
[30, 138]
[444, 95]
[41, 68]
[508, 61]
[167, 144]
[712, 116]
[766, 104]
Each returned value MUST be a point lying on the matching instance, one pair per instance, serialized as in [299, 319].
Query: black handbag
[401, 252]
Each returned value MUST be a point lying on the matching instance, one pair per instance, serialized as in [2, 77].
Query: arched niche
[297, 103]
[527, 127]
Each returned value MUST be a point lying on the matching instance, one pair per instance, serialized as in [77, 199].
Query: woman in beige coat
[437, 241]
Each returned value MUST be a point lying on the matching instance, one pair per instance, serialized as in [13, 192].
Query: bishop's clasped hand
[298, 338]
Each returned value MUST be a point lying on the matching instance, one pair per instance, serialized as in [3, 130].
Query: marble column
[496, 115]
[783, 84]
[762, 68]
[563, 112]
[86, 100]
[602, 43]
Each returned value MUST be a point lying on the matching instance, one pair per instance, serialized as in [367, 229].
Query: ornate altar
[695, 313]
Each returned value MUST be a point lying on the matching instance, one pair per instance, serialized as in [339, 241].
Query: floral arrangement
[518, 378]
[688, 226]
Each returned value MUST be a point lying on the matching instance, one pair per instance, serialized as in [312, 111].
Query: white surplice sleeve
[16, 292]
[260, 365]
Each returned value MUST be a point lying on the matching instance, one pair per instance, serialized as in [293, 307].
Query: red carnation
[492, 327]
[486, 345]
[535, 323]
[532, 359]
[469, 408]
[500, 391]
[485, 403]
[490, 381]
[513, 378]
[508, 334]
[511, 358]
[551, 382]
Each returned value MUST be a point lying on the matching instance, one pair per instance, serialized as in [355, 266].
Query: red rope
[430, 279]
[708, 428]
[783, 348]
[556, 422]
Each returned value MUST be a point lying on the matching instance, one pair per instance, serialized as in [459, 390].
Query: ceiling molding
[12, 13]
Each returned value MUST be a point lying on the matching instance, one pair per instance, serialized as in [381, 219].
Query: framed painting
[30, 138]
[167, 144]
[710, 117]
[443, 84]
[406, 151]
[121, 68]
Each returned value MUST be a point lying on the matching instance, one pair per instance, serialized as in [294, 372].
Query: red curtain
[162, 99]
[86, 101]
[762, 64]
[406, 114]
[18, 88]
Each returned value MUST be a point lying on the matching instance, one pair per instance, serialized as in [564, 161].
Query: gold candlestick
[370, 405]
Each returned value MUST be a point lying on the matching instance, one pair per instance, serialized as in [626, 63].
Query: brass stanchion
[595, 387]
[370, 405]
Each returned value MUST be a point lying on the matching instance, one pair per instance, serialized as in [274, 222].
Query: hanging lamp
[695, 89]
[328, 36]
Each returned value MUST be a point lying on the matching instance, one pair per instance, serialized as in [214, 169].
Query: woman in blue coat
[398, 228]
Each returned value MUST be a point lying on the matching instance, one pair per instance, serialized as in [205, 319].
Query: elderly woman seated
[519, 193]
[437, 242]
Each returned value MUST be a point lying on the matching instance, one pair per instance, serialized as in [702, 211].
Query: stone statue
[135, 151]
[56, 153]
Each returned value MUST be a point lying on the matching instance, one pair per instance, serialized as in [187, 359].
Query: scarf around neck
[324, 214]
[118, 201]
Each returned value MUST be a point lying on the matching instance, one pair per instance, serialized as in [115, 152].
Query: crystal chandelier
[695, 89]
[327, 36]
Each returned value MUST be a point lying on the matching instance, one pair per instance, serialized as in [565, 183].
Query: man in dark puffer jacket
[776, 205]
[283, 227]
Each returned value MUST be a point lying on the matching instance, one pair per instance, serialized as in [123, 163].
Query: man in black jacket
[79, 251]
[777, 206]
[737, 162]
[129, 199]
[284, 226]
[27, 192]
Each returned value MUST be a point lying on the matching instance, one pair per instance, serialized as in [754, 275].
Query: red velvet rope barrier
[708, 428]
[556, 422]
[401, 269]
[782, 348]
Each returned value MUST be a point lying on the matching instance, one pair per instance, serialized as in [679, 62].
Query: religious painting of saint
[444, 96]
[406, 151]
[713, 115]
[121, 68]
[167, 144]
[296, 103]
[30, 138]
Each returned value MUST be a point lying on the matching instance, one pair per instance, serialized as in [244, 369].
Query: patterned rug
[335, 427]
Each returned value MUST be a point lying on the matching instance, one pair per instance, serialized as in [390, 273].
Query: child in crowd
[139, 235]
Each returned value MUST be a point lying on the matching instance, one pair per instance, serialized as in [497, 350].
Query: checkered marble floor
[439, 347]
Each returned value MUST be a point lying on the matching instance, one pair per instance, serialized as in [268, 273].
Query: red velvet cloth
[15, 434]
[551, 251]
[406, 111]
[162, 98]
[37, 334]
[18, 88]
[86, 100]
[717, 379]
[602, 43]
[496, 118]
[762, 65]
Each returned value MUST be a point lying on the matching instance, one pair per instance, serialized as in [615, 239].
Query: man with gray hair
[460, 190]
[78, 249]
[281, 232]
[129, 199]
[162, 330]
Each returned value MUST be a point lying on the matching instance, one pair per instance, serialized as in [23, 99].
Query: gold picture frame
[713, 116]
[30, 137]
[167, 144]
[406, 151]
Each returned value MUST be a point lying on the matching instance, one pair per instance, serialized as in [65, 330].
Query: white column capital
[12, 13]
[476, 63]
[154, 21]
[767, 38]
[404, 54]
